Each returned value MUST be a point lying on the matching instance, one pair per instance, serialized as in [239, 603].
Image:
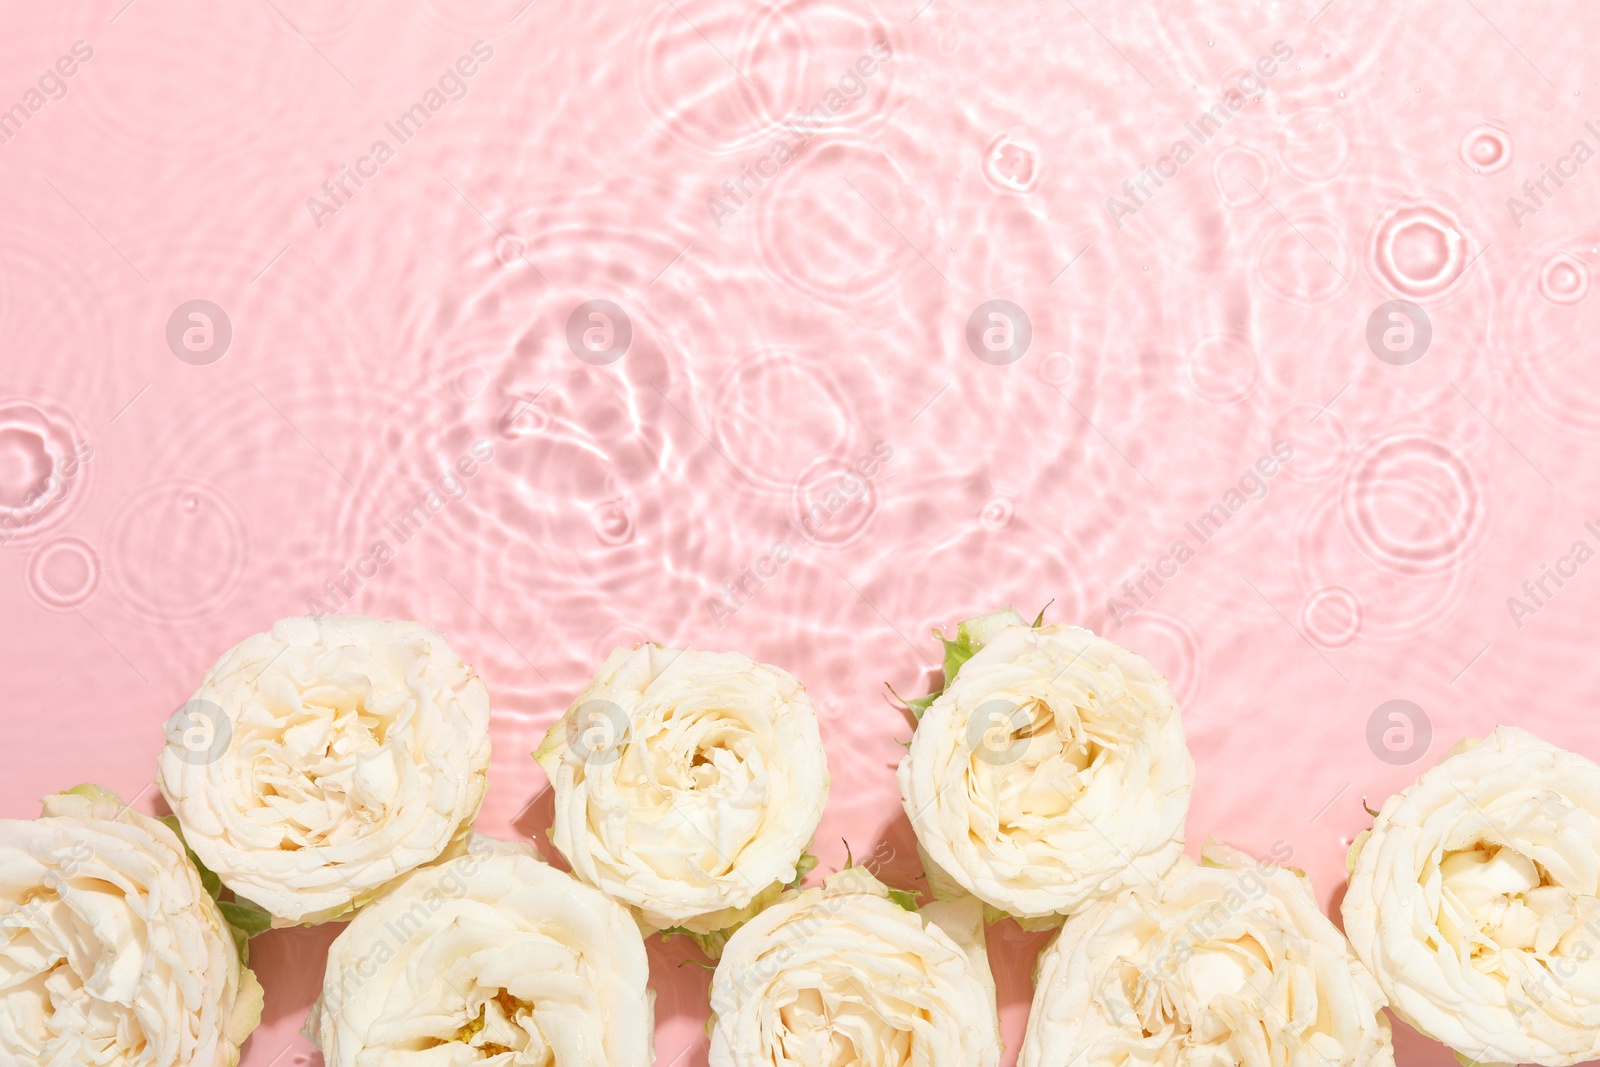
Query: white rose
[1213, 966]
[1473, 899]
[320, 761]
[1051, 770]
[844, 974]
[112, 952]
[492, 957]
[688, 785]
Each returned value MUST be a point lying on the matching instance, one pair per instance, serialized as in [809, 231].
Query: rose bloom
[687, 785]
[1229, 963]
[1051, 770]
[1475, 900]
[322, 760]
[112, 952]
[491, 957]
[843, 974]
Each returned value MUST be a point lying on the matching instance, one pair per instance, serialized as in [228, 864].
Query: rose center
[1196, 996]
[1497, 899]
[323, 765]
[835, 1030]
[1034, 766]
[503, 1025]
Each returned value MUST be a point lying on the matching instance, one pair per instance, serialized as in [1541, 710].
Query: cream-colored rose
[1230, 963]
[1475, 901]
[322, 760]
[688, 785]
[493, 957]
[1051, 770]
[844, 974]
[112, 953]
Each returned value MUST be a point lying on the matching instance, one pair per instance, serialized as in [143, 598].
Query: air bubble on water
[1420, 249]
[1011, 164]
[1563, 280]
[613, 522]
[996, 514]
[1486, 149]
[64, 573]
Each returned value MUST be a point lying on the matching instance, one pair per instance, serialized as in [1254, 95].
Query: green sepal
[804, 866]
[905, 898]
[1467, 1061]
[956, 653]
[915, 707]
[711, 944]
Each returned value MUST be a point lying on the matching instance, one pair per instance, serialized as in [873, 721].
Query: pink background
[770, 352]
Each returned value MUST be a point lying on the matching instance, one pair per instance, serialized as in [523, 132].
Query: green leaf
[905, 898]
[246, 916]
[1038, 622]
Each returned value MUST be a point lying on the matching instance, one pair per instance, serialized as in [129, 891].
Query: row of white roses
[367, 754]
[1471, 909]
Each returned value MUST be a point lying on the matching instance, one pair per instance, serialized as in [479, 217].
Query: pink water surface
[783, 332]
